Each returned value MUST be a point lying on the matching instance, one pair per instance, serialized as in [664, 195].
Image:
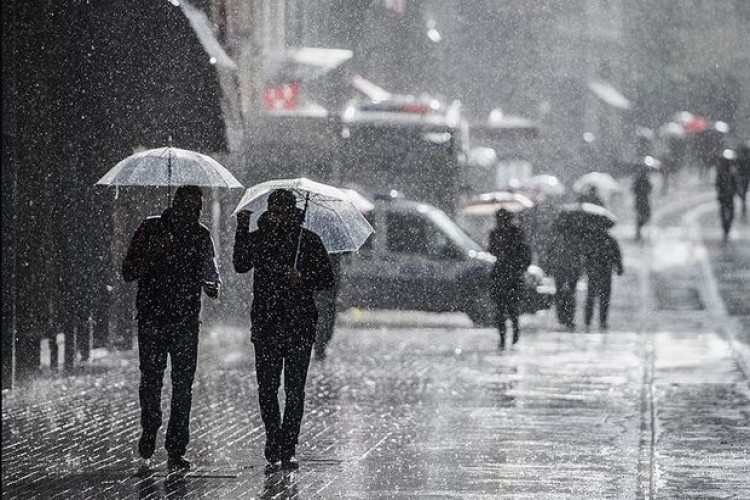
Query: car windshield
[455, 233]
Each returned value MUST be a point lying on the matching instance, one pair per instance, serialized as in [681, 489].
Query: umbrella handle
[299, 236]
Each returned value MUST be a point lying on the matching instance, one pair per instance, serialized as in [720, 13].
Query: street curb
[715, 303]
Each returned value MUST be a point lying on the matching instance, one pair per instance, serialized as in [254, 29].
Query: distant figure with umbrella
[513, 257]
[172, 258]
[642, 195]
[289, 255]
[602, 256]
[726, 188]
[572, 230]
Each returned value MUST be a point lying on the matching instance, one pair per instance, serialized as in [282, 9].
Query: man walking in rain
[290, 265]
[508, 245]
[172, 258]
[602, 257]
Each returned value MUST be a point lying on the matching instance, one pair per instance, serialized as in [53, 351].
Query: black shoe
[177, 463]
[146, 445]
[290, 463]
[272, 467]
[516, 336]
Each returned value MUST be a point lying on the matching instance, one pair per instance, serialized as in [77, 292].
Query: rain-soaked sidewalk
[411, 405]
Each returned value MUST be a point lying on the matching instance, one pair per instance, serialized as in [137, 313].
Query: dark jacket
[171, 258]
[642, 192]
[513, 255]
[282, 311]
[565, 252]
[726, 186]
[602, 256]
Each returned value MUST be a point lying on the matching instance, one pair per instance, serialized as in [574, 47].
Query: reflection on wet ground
[410, 405]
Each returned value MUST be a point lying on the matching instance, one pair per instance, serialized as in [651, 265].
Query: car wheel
[481, 309]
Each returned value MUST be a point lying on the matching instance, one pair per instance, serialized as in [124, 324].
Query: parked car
[419, 259]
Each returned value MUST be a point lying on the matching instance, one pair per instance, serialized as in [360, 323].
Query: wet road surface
[421, 405]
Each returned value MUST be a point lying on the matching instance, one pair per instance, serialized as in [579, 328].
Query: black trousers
[726, 210]
[180, 343]
[507, 300]
[599, 289]
[271, 358]
[565, 298]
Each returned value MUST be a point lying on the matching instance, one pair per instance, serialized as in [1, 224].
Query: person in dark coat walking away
[290, 264]
[172, 258]
[743, 176]
[508, 245]
[726, 188]
[642, 193]
[325, 300]
[602, 257]
[565, 263]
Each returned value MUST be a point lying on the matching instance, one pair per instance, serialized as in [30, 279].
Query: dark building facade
[84, 83]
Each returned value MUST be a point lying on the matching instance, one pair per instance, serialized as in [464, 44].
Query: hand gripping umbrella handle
[299, 236]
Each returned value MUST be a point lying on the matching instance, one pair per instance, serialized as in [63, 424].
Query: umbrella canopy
[489, 203]
[303, 64]
[329, 211]
[359, 200]
[585, 217]
[603, 183]
[546, 184]
[169, 167]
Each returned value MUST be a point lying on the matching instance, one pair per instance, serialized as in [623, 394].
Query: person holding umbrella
[513, 257]
[172, 258]
[291, 264]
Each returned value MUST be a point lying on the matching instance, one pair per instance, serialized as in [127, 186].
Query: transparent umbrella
[329, 211]
[489, 203]
[604, 183]
[169, 166]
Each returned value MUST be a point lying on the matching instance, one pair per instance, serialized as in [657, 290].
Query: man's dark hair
[186, 192]
[282, 199]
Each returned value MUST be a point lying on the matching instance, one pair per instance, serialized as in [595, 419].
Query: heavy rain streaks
[449, 249]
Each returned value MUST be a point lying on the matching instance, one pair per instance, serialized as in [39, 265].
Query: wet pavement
[422, 405]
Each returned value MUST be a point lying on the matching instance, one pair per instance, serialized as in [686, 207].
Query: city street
[424, 405]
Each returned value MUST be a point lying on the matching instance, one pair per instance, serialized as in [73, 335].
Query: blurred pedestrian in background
[726, 188]
[565, 263]
[326, 303]
[508, 244]
[602, 256]
[172, 257]
[642, 193]
[290, 264]
[743, 175]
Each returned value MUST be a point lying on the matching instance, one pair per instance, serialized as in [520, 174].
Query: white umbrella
[329, 211]
[604, 183]
[548, 184]
[489, 203]
[169, 167]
